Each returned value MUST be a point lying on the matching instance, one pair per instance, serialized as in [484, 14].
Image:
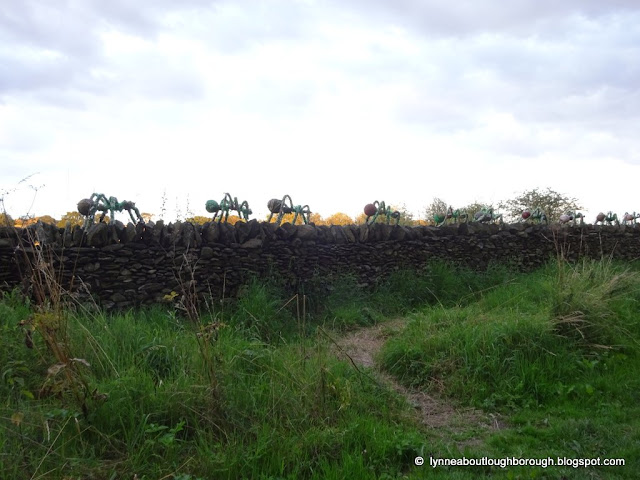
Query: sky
[337, 103]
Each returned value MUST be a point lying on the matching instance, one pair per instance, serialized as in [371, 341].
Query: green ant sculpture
[225, 206]
[609, 219]
[98, 202]
[571, 216]
[536, 216]
[630, 218]
[455, 215]
[373, 210]
[487, 215]
[281, 208]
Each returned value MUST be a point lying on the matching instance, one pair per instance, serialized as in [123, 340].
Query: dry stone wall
[123, 266]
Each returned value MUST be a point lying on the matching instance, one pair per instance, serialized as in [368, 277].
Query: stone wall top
[254, 234]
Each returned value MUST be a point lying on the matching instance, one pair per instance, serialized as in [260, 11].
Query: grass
[555, 351]
[254, 391]
[273, 408]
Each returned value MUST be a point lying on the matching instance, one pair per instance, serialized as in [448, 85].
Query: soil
[362, 346]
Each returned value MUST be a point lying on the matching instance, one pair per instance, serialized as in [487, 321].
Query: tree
[6, 220]
[26, 221]
[74, 218]
[422, 223]
[437, 207]
[474, 207]
[360, 219]
[197, 219]
[46, 219]
[406, 217]
[286, 218]
[317, 219]
[233, 219]
[552, 203]
[339, 219]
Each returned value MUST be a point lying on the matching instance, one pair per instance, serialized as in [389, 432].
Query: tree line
[549, 201]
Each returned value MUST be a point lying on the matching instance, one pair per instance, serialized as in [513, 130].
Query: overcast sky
[337, 103]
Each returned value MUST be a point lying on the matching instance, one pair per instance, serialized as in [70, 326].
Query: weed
[584, 302]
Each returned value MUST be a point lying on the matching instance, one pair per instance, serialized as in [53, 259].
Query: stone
[268, 231]
[7, 243]
[352, 232]
[338, 234]
[129, 234]
[247, 230]
[206, 253]
[285, 231]
[175, 233]
[112, 247]
[97, 234]
[189, 235]
[306, 232]
[158, 232]
[398, 233]
[210, 232]
[252, 243]
[227, 233]
[45, 233]
[118, 297]
[112, 235]
[92, 267]
[363, 233]
[307, 254]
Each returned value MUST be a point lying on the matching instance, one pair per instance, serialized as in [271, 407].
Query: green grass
[169, 398]
[255, 391]
[555, 351]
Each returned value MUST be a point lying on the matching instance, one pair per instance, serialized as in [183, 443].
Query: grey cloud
[59, 47]
[437, 18]
[233, 27]
[38, 25]
[590, 76]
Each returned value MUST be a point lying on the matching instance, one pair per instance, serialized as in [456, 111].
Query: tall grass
[276, 409]
[519, 343]
[254, 392]
[555, 350]
[595, 303]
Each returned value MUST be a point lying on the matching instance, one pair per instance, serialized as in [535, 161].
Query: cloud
[434, 18]
[63, 48]
[337, 104]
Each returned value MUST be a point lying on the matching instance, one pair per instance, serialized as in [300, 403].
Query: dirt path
[362, 346]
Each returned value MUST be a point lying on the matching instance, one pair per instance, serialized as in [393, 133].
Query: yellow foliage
[25, 222]
[5, 220]
[317, 219]
[233, 219]
[286, 218]
[46, 219]
[339, 219]
[199, 219]
[362, 218]
[74, 218]
[170, 296]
